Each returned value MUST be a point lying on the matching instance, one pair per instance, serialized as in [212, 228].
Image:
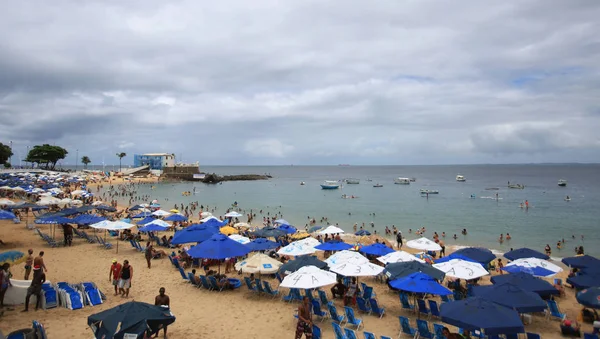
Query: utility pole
[76, 159]
[11, 154]
[27, 156]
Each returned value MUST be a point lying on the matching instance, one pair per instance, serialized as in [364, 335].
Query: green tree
[5, 153]
[46, 154]
[85, 160]
[121, 156]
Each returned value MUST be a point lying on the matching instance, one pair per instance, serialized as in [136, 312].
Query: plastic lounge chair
[423, 307]
[350, 334]
[259, 286]
[362, 305]
[405, 303]
[316, 332]
[334, 315]
[308, 293]
[405, 327]
[205, 283]
[380, 311]
[368, 292]
[269, 290]
[369, 335]
[337, 330]
[278, 276]
[293, 295]
[352, 319]
[537, 336]
[445, 298]
[437, 328]
[554, 311]
[385, 337]
[182, 272]
[39, 330]
[510, 336]
[249, 285]
[423, 329]
[316, 305]
[190, 277]
[213, 283]
[587, 336]
[323, 297]
[433, 308]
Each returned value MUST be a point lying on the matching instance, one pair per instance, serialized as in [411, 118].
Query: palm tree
[121, 156]
[85, 160]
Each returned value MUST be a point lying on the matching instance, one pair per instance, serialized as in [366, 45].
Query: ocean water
[549, 219]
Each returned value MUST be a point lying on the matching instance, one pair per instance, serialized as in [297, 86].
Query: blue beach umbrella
[176, 217]
[455, 256]
[262, 244]
[538, 271]
[289, 229]
[214, 223]
[521, 253]
[269, 232]
[589, 297]
[152, 228]
[145, 221]
[54, 220]
[585, 280]
[194, 233]
[25, 206]
[376, 249]
[142, 215]
[419, 282]
[479, 314]
[219, 246]
[314, 229]
[401, 269]
[581, 261]
[106, 208]
[511, 296]
[527, 282]
[333, 245]
[479, 254]
[362, 232]
[281, 222]
[301, 261]
[136, 207]
[7, 215]
[11, 257]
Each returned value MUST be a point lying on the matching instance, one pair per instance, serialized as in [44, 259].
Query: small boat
[352, 181]
[424, 191]
[492, 189]
[330, 185]
[369, 179]
[402, 181]
[516, 186]
[562, 183]
[568, 198]
[460, 178]
[413, 179]
[378, 185]
[302, 183]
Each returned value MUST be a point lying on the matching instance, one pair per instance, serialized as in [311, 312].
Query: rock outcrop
[214, 178]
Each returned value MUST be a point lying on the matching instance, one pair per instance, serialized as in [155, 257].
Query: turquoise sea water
[549, 219]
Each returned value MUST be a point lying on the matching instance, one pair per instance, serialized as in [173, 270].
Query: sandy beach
[231, 314]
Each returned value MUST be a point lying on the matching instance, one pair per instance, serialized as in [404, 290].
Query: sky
[306, 82]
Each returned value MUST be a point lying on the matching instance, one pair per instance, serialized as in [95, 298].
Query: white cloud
[267, 148]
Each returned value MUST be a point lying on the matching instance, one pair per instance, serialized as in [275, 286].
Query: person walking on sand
[39, 278]
[39, 261]
[148, 254]
[162, 300]
[304, 320]
[28, 263]
[4, 282]
[114, 274]
[125, 279]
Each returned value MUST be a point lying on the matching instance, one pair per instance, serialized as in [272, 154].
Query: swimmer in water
[501, 239]
[508, 237]
[455, 237]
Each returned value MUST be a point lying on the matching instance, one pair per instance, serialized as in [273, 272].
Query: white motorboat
[424, 191]
[402, 181]
[352, 181]
[460, 178]
[562, 183]
[302, 183]
[378, 185]
[330, 185]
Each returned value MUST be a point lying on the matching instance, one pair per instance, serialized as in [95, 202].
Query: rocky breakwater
[214, 178]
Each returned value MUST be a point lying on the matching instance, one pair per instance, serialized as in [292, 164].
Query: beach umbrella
[174, 211]
[362, 233]
[345, 256]
[11, 257]
[419, 282]
[402, 269]
[535, 266]
[242, 240]
[233, 214]
[194, 233]
[161, 213]
[269, 232]
[151, 227]
[308, 277]
[176, 217]
[356, 268]
[219, 246]
[214, 223]
[134, 208]
[142, 215]
[84, 209]
[289, 229]
[7, 215]
[130, 320]
[158, 222]
[333, 245]
[259, 263]
[112, 225]
[581, 261]
[26, 206]
[585, 280]
[527, 282]
[480, 314]
[78, 192]
[299, 262]
[281, 222]
[262, 244]
[511, 296]
[423, 244]
[398, 256]
[425, 257]
[589, 297]
[228, 230]
[53, 220]
[299, 235]
[145, 221]
[296, 248]
[377, 249]
[520, 253]
[331, 230]
[453, 256]
[206, 214]
[6, 202]
[314, 229]
[478, 254]
[241, 224]
[86, 219]
[462, 269]
[209, 218]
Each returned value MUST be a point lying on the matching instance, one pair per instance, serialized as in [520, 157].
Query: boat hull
[330, 187]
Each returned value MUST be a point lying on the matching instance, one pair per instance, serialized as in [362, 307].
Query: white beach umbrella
[206, 214]
[158, 222]
[309, 241]
[47, 194]
[48, 201]
[76, 202]
[398, 256]
[331, 230]
[161, 213]
[423, 244]
[259, 263]
[97, 203]
[281, 222]
[356, 268]
[209, 218]
[6, 188]
[241, 239]
[37, 190]
[112, 225]
[296, 248]
[55, 190]
[78, 192]
[309, 277]
[462, 269]
[6, 202]
[241, 224]
[18, 189]
[345, 256]
[233, 214]
[533, 263]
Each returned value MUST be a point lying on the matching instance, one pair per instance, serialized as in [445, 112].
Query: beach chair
[293, 295]
[469, 290]
[269, 290]
[554, 311]
[380, 311]
[205, 283]
[50, 297]
[251, 287]
[39, 330]
[362, 305]
[308, 293]
[368, 292]
[337, 330]
[385, 337]
[537, 336]
[334, 315]
[278, 276]
[423, 329]
[182, 272]
[510, 336]
[91, 293]
[351, 318]
[369, 335]
[423, 307]
[190, 277]
[439, 334]
[458, 295]
[323, 297]
[433, 308]
[405, 328]
[176, 263]
[316, 332]
[445, 298]
[213, 283]
[587, 336]
[405, 303]
[350, 334]
[316, 305]
[259, 286]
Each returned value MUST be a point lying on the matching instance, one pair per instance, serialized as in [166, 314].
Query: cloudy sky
[304, 82]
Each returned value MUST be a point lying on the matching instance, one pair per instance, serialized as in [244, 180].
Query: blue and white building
[156, 161]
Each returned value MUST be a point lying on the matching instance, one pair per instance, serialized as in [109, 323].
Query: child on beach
[500, 266]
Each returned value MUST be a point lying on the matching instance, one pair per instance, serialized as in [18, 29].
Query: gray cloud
[305, 82]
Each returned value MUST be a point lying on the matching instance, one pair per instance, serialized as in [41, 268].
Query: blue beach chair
[316, 332]
[362, 305]
[316, 305]
[259, 286]
[323, 297]
[405, 303]
[369, 335]
[537, 336]
[213, 283]
[405, 328]
[352, 319]
[249, 285]
[205, 283]
[337, 330]
[293, 295]
[334, 315]
[423, 307]
[380, 311]
[554, 311]
[433, 308]
[423, 329]
[385, 337]
[437, 328]
[269, 290]
[182, 272]
[350, 334]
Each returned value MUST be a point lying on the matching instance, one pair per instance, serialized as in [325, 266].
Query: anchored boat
[330, 185]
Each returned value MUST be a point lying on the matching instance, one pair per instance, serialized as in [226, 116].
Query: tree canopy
[5, 153]
[85, 160]
[46, 154]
